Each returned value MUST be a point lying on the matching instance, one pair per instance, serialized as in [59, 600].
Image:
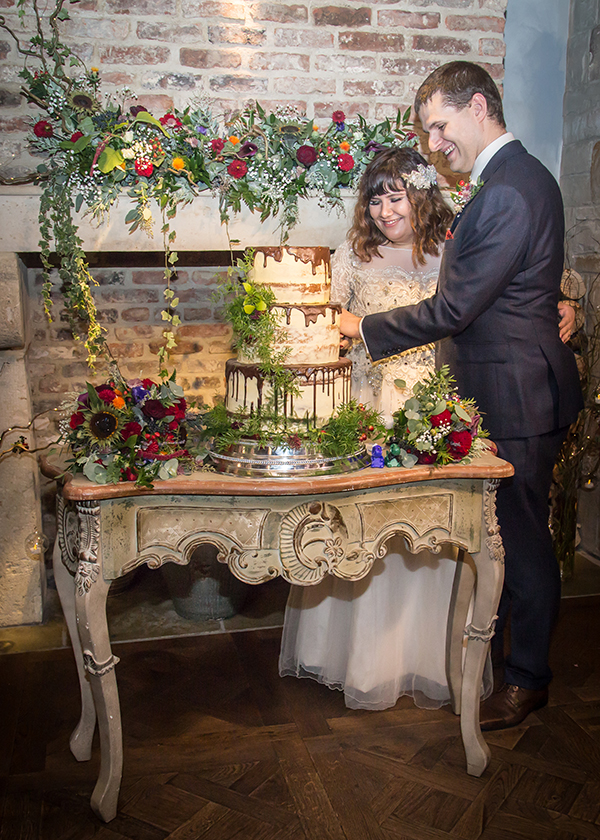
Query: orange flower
[233, 139]
[118, 402]
[345, 146]
[178, 163]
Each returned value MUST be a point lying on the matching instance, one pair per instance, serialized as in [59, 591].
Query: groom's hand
[349, 324]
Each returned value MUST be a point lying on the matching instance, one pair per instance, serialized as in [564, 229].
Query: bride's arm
[341, 283]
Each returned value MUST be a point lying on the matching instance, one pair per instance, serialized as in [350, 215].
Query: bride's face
[391, 214]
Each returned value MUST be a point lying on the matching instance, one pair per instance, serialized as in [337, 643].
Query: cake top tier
[296, 275]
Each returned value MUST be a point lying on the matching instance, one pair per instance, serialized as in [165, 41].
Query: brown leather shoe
[510, 706]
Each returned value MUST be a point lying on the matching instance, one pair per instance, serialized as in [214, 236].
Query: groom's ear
[479, 106]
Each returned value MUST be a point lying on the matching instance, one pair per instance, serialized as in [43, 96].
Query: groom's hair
[457, 81]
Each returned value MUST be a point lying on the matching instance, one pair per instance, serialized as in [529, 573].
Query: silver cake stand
[247, 458]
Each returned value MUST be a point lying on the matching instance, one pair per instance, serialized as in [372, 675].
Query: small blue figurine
[377, 456]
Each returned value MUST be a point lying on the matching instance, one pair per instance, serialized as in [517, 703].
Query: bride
[384, 635]
[381, 637]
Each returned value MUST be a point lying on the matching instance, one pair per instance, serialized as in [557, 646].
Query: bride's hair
[430, 216]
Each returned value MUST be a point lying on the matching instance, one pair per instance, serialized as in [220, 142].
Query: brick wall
[364, 57]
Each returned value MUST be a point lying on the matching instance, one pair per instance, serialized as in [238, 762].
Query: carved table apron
[300, 528]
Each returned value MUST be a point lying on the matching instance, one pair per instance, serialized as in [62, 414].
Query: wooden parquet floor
[218, 747]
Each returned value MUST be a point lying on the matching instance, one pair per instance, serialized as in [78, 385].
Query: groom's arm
[486, 253]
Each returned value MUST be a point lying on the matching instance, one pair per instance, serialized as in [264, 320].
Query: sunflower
[82, 102]
[102, 426]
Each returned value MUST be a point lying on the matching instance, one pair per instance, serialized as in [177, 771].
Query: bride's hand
[345, 343]
[566, 322]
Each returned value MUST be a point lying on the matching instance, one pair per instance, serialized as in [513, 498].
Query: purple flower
[340, 126]
[136, 109]
[201, 129]
[247, 149]
[83, 399]
[139, 393]
[372, 146]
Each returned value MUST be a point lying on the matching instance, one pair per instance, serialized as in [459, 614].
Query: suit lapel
[515, 147]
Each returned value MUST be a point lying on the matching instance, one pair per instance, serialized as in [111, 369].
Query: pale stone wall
[580, 184]
[22, 576]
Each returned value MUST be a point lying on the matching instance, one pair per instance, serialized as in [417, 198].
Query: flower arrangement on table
[96, 149]
[436, 426]
[135, 430]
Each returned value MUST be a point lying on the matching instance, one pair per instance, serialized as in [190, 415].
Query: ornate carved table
[300, 528]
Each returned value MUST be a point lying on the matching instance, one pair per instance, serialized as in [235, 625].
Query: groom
[495, 315]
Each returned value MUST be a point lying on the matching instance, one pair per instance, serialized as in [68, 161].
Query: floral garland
[96, 149]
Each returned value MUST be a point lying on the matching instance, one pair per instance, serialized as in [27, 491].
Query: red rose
[43, 128]
[128, 474]
[174, 424]
[460, 444]
[170, 121]
[217, 145]
[178, 410]
[426, 458]
[144, 168]
[130, 429]
[75, 137]
[338, 116]
[237, 168]
[410, 135]
[438, 419]
[154, 408]
[76, 420]
[106, 393]
[148, 383]
[306, 155]
[345, 162]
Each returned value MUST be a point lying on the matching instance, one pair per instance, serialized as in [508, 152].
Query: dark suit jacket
[496, 303]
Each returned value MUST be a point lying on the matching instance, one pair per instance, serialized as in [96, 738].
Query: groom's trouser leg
[532, 577]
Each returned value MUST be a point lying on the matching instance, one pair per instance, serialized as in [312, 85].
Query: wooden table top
[79, 488]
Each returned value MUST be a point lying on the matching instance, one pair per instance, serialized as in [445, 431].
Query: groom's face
[455, 132]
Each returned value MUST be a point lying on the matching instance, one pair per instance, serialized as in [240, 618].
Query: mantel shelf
[197, 225]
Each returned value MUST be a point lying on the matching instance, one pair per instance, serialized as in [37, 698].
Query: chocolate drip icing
[315, 256]
[317, 377]
[311, 313]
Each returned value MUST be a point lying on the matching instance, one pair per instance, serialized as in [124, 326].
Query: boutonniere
[449, 234]
[464, 193]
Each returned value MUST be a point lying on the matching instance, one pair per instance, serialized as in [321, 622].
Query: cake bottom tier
[322, 389]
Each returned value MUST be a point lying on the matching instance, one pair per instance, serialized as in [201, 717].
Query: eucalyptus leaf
[440, 406]
[400, 383]
[409, 460]
[459, 410]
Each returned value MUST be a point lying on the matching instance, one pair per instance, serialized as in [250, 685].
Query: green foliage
[344, 434]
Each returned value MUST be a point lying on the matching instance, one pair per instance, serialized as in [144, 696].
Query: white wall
[534, 82]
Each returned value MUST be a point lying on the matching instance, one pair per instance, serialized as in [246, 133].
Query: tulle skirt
[378, 638]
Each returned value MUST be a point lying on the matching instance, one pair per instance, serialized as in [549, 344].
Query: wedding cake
[300, 279]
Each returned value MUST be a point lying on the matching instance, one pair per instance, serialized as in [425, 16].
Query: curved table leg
[462, 592]
[91, 591]
[489, 565]
[81, 738]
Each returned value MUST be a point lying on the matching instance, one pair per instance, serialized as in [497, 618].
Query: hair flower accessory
[421, 178]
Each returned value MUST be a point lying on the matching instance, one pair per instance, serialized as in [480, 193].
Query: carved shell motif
[313, 541]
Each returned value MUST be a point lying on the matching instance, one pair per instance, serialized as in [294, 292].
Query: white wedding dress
[383, 636]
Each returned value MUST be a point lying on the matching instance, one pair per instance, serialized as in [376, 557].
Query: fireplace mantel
[197, 225]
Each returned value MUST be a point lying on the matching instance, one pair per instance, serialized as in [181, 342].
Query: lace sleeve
[342, 286]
